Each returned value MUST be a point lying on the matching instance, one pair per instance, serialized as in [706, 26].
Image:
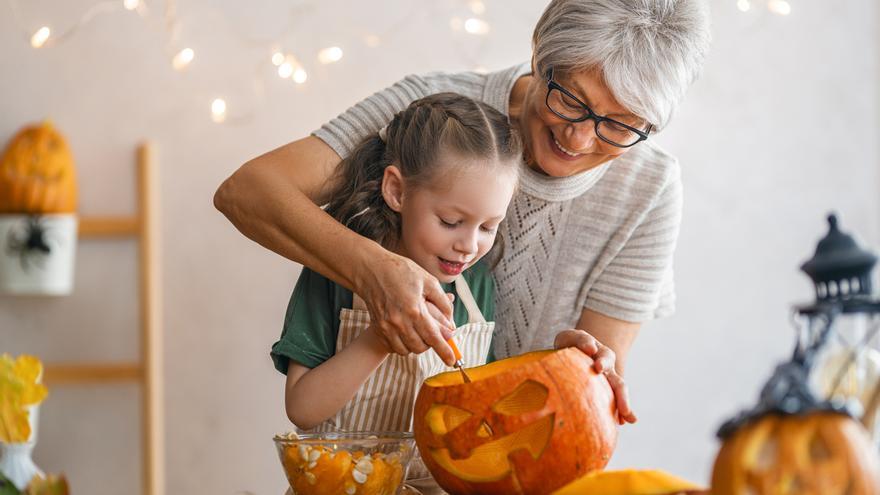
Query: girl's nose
[467, 243]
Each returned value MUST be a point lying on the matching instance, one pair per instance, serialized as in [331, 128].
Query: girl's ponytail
[356, 195]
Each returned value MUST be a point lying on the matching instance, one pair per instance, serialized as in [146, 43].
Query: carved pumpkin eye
[442, 418]
[529, 396]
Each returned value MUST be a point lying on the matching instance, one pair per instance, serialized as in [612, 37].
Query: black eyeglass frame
[590, 114]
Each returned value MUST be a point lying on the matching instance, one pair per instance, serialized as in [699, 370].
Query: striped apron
[385, 401]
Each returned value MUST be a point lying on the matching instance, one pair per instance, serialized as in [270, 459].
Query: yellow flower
[18, 390]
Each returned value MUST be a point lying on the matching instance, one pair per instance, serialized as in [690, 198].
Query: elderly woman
[589, 237]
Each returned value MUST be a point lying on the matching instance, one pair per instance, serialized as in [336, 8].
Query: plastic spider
[30, 245]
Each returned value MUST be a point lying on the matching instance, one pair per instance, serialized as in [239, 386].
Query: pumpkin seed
[311, 478]
[364, 465]
[359, 476]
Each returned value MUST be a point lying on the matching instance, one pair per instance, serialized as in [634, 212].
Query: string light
[183, 58]
[780, 7]
[218, 110]
[476, 26]
[743, 5]
[478, 7]
[39, 38]
[288, 66]
[330, 55]
[285, 70]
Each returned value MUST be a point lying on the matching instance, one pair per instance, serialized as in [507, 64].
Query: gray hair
[648, 51]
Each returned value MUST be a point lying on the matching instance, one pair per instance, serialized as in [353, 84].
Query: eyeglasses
[567, 106]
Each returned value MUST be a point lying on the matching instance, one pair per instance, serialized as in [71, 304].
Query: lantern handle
[853, 355]
[870, 416]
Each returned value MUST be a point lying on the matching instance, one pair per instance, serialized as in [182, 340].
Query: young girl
[432, 186]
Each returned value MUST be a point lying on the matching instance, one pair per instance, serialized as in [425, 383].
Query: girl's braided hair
[414, 141]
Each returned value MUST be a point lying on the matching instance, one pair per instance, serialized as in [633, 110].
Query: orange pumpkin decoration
[629, 482]
[551, 419]
[37, 173]
[818, 453]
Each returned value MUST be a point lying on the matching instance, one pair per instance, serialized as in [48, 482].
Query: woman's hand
[604, 360]
[409, 309]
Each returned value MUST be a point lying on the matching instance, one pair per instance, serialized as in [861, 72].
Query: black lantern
[829, 367]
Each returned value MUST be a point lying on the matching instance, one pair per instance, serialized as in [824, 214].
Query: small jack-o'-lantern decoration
[528, 424]
[38, 225]
[820, 453]
[37, 174]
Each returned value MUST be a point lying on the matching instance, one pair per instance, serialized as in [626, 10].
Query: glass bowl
[349, 463]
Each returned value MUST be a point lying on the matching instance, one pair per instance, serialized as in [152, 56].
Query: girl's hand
[407, 305]
[603, 362]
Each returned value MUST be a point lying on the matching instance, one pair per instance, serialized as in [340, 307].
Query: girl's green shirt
[311, 323]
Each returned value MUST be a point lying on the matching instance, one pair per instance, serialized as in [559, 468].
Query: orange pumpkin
[551, 419]
[629, 482]
[37, 173]
[818, 453]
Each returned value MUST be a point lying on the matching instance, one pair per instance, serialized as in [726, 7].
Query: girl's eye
[488, 230]
[449, 225]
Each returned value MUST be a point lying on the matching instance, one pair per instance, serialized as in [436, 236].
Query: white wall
[781, 128]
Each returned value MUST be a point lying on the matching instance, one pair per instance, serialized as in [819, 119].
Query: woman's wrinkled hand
[604, 360]
[407, 305]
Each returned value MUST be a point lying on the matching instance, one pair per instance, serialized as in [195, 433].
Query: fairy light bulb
[743, 5]
[183, 58]
[330, 55]
[131, 4]
[277, 58]
[39, 38]
[456, 23]
[478, 7]
[218, 110]
[300, 76]
[476, 26]
[780, 7]
[285, 70]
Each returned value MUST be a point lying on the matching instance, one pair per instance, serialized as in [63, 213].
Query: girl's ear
[392, 188]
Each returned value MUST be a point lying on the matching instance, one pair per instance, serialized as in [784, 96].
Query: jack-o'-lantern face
[814, 454]
[518, 421]
[37, 173]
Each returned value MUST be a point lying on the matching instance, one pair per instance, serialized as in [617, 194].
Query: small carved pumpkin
[550, 417]
[818, 453]
[37, 173]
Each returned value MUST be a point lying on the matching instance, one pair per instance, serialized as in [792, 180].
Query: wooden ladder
[144, 227]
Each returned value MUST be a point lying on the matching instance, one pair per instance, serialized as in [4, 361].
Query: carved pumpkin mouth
[489, 462]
